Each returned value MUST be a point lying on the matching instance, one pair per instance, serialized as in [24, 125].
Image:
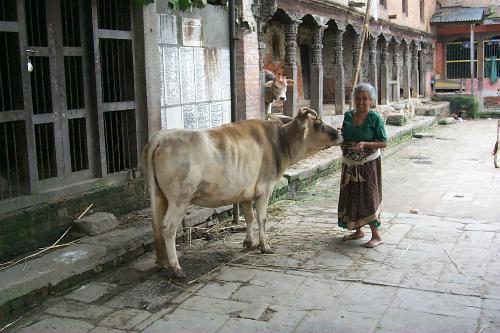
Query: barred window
[458, 60]
[404, 5]
[491, 52]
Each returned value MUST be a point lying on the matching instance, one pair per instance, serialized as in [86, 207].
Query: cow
[275, 89]
[237, 162]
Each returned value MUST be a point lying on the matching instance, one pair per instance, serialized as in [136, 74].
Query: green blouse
[372, 128]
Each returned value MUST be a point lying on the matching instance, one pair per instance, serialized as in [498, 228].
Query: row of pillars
[410, 68]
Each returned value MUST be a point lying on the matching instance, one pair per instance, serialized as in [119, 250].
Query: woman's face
[363, 101]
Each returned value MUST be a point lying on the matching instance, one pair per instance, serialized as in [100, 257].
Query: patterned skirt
[360, 199]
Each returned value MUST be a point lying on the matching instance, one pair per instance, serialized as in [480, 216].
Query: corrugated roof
[458, 14]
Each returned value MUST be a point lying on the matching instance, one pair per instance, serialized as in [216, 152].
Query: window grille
[458, 60]
[491, 51]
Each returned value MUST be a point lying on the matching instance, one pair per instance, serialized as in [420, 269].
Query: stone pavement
[435, 273]
[25, 284]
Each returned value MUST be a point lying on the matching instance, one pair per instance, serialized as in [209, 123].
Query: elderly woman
[360, 199]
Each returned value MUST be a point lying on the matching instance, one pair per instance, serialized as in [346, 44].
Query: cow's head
[278, 86]
[307, 134]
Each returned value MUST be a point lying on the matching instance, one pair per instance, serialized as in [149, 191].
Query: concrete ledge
[27, 284]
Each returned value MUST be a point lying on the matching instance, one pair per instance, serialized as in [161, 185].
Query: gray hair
[366, 87]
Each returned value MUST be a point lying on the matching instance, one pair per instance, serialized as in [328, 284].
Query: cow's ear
[269, 84]
[290, 82]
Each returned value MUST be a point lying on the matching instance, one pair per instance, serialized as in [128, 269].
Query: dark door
[44, 113]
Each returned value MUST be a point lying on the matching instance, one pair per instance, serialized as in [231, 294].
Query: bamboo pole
[364, 35]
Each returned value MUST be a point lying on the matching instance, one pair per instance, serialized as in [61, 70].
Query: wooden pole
[364, 34]
[472, 59]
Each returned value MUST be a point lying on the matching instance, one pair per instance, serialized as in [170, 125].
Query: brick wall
[27, 230]
[492, 102]
[247, 66]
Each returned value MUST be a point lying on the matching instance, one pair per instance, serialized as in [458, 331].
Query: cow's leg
[160, 209]
[173, 218]
[261, 204]
[249, 217]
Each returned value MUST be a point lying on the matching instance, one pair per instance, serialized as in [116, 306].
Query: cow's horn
[304, 111]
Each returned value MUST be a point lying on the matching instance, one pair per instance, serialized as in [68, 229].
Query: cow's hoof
[179, 274]
[249, 244]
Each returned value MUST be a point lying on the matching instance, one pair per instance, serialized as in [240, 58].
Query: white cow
[238, 162]
[275, 89]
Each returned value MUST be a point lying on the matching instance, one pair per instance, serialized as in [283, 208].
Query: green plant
[459, 103]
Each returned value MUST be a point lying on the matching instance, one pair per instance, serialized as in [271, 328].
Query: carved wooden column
[395, 70]
[317, 70]
[414, 72]
[422, 75]
[356, 43]
[290, 105]
[338, 70]
[406, 70]
[384, 72]
[372, 66]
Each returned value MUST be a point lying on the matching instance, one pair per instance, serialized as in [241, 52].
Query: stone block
[96, 223]
[396, 119]
[447, 121]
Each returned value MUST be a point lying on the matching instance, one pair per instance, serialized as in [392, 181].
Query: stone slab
[91, 292]
[251, 326]
[73, 309]
[219, 290]
[401, 320]
[125, 319]
[337, 321]
[188, 321]
[254, 310]
[54, 324]
[437, 303]
[211, 305]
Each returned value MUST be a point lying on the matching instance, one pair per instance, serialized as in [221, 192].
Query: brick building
[457, 26]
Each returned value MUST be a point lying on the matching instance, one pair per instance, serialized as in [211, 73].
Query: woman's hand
[363, 145]
[360, 146]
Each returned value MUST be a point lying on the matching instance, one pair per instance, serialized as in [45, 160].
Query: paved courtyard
[437, 271]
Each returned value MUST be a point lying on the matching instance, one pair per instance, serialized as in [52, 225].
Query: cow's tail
[155, 194]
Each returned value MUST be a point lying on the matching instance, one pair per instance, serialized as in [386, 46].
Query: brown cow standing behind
[275, 89]
[239, 162]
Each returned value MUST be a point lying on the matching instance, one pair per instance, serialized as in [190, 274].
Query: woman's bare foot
[356, 235]
[376, 239]
[373, 243]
